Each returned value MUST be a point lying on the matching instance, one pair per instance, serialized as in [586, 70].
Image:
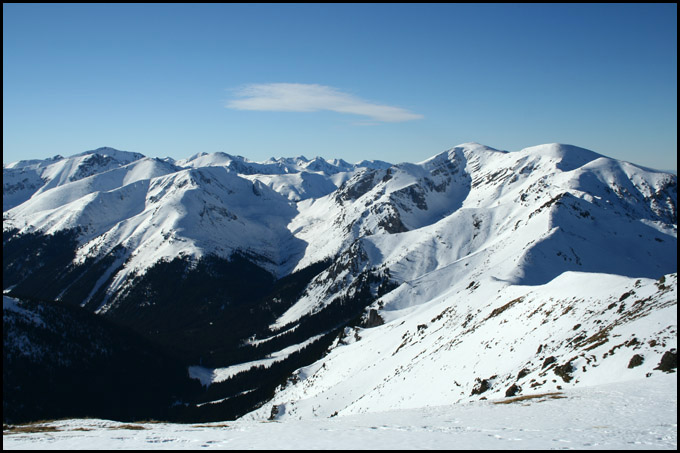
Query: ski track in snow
[639, 414]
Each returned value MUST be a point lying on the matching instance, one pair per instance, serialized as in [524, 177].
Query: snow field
[639, 414]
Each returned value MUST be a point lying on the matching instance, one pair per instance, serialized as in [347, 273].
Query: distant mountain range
[301, 288]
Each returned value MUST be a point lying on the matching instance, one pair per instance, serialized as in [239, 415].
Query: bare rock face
[669, 361]
[636, 360]
[513, 390]
[548, 361]
[564, 371]
[482, 385]
[373, 319]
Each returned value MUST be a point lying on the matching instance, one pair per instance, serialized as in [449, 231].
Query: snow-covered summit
[26, 178]
[118, 155]
[455, 274]
[333, 203]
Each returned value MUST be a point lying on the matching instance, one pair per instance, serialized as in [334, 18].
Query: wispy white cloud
[299, 97]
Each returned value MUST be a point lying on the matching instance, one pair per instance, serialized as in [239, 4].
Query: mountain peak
[504, 270]
[118, 155]
[566, 157]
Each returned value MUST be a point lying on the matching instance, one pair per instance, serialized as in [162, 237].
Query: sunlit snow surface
[502, 261]
[639, 414]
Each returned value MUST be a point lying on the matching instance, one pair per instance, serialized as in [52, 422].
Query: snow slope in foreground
[639, 414]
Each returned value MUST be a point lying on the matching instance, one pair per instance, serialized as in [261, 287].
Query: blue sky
[398, 82]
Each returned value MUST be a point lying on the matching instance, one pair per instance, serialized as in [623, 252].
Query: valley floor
[641, 414]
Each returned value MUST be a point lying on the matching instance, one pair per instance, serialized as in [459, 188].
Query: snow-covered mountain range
[477, 273]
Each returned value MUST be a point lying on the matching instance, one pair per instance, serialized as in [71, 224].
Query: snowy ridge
[481, 338]
[544, 233]
[522, 217]
[23, 179]
[212, 203]
[480, 273]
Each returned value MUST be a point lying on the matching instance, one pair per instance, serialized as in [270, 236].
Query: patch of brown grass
[500, 310]
[28, 429]
[128, 426]
[221, 425]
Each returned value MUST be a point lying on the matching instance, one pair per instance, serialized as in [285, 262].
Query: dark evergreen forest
[179, 313]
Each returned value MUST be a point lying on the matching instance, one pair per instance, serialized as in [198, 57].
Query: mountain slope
[250, 269]
[522, 217]
[23, 179]
[489, 340]
[64, 362]
[515, 228]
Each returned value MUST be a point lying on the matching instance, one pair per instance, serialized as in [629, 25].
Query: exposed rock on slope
[476, 270]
